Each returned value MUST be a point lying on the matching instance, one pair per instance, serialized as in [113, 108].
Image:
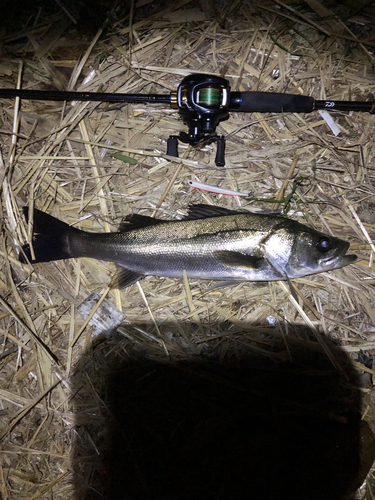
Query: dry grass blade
[22, 413]
[32, 334]
[50, 485]
[280, 194]
[312, 327]
[363, 229]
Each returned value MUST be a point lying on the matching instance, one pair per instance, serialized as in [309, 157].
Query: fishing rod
[202, 102]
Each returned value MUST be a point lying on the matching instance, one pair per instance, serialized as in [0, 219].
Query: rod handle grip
[270, 102]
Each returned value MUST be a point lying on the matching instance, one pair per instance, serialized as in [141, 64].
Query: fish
[210, 242]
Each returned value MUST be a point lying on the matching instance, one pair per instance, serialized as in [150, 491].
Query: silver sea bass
[209, 243]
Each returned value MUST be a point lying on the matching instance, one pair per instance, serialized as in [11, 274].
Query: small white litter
[106, 319]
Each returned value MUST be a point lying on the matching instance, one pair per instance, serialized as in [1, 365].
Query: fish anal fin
[237, 259]
[220, 284]
[125, 277]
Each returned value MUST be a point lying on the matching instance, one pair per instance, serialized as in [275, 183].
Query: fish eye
[324, 244]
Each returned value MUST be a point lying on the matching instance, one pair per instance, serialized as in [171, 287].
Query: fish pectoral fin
[237, 259]
[125, 277]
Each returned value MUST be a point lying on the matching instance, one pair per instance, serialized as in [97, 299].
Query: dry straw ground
[59, 157]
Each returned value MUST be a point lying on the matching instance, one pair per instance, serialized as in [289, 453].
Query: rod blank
[57, 95]
[245, 102]
[368, 106]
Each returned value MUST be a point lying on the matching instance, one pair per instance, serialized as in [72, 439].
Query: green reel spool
[209, 96]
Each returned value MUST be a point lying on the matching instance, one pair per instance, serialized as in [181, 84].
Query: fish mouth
[340, 259]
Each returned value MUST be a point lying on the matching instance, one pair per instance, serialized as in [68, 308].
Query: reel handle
[172, 146]
[220, 151]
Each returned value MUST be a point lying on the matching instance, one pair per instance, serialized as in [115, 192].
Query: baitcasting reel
[202, 101]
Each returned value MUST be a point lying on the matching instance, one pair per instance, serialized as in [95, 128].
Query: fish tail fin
[51, 238]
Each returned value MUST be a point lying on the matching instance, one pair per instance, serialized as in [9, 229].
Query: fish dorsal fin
[201, 211]
[125, 277]
[237, 259]
[136, 221]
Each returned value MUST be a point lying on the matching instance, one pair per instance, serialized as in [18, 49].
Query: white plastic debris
[106, 319]
[330, 121]
[271, 320]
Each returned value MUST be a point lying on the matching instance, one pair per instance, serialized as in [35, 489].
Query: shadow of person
[194, 426]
